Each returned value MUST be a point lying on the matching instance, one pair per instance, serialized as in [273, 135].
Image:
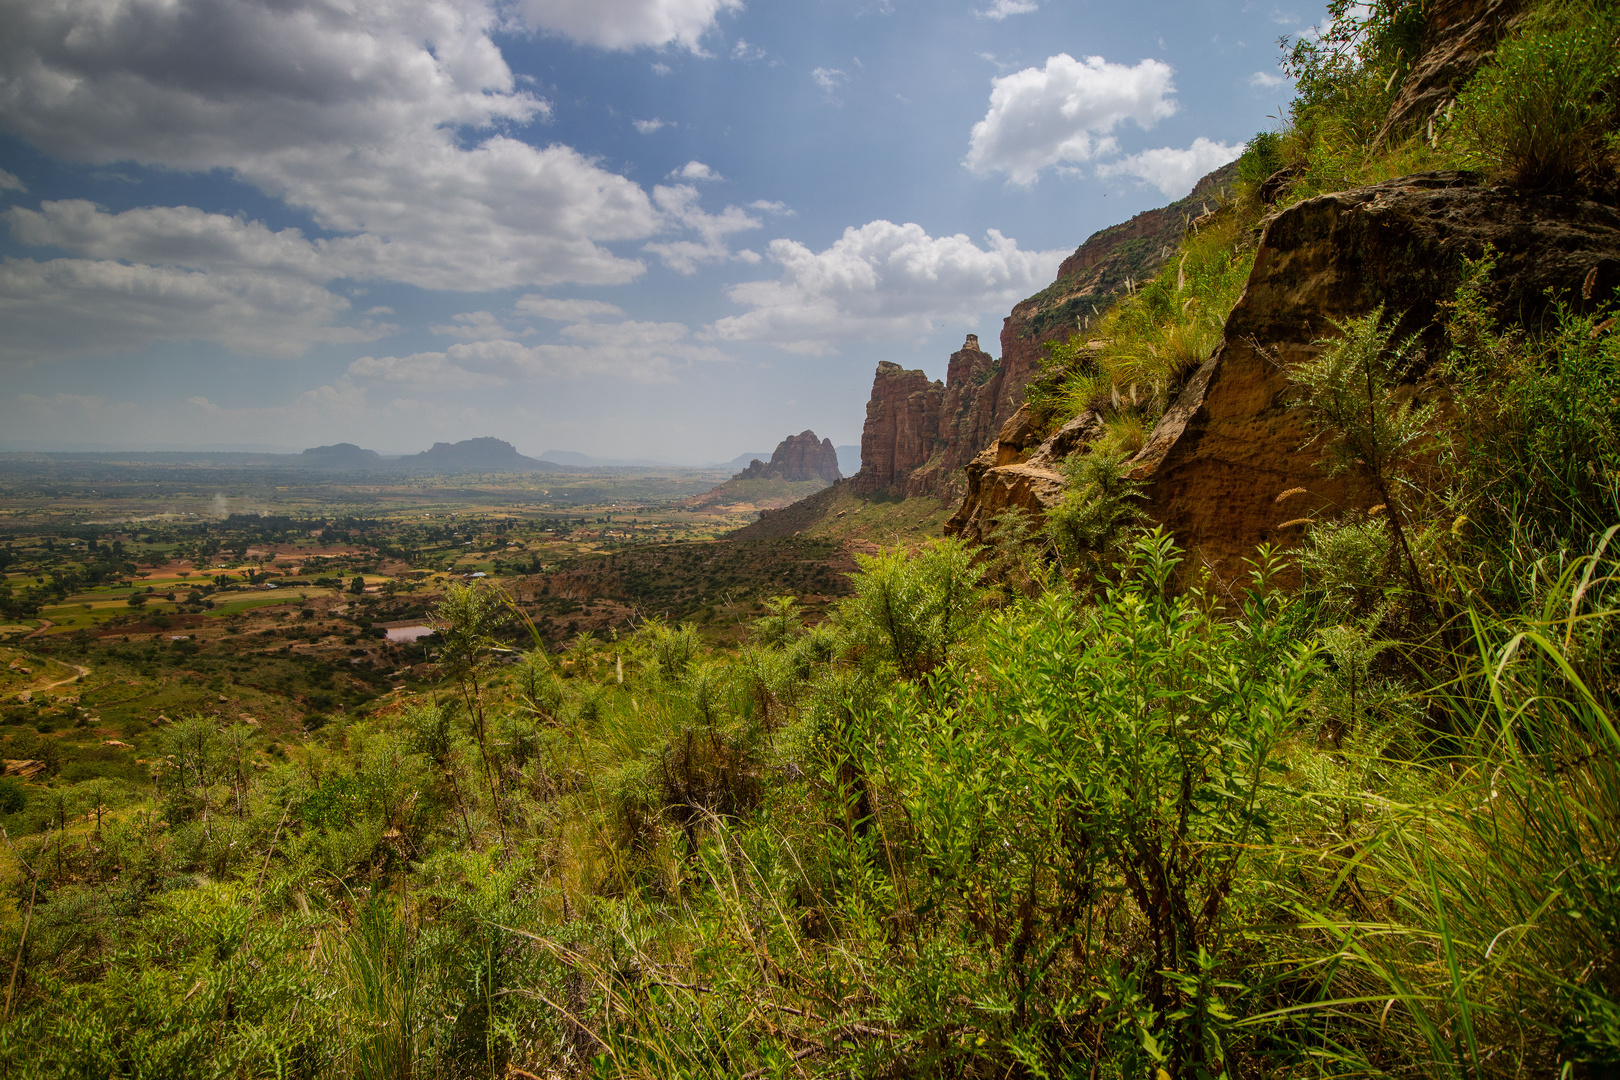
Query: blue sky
[677, 229]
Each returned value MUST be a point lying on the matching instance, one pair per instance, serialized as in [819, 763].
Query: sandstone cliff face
[902, 426]
[1223, 465]
[1233, 442]
[921, 434]
[797, 457]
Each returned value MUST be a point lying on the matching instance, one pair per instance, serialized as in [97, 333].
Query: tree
[358, 585]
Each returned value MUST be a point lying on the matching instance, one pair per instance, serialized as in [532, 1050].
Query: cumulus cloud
[647, 127]
[1267, 80]
[364, 117]
[560, 310]
[385, 123]
[882, 282]
[479, 326]
[628, 24]
[1174, 172]
[695, 171]
[9, 182]
[745, 50]
[680, 205]
[1065, 113]
[170, 274]
[1003, 8]
[641, 351]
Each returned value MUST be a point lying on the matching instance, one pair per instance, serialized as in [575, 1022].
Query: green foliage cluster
[1063, 811]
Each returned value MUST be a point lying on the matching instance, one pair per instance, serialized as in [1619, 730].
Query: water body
[408, 633]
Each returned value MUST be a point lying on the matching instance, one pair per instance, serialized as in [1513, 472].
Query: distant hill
[472, 456]
[341, 455]
[741, 461]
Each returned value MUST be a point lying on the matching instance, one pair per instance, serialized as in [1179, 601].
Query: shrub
[1544, 110]
[914, 608]
[1096, 518]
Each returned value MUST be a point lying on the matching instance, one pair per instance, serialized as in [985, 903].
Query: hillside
[1254, 719]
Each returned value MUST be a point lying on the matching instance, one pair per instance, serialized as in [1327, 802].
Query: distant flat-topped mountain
[472, 456]
[341, 455]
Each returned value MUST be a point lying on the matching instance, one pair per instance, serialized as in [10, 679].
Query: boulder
[1234, 442]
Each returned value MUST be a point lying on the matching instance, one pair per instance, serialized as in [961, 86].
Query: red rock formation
[797, 457]
[1219, 459]
[902, 426]
[921, 435]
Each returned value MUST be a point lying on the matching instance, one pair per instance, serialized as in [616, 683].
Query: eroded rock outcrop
[1019, 471]
[1232, 463]
[921, 434]
[797, 458]
[902, 426]
[1234, 441]
[1458, 37]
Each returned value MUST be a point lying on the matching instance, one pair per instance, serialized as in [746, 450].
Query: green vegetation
[715, 809]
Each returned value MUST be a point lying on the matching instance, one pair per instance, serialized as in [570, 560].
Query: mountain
[797, 457]
[472, 456]
[340, 456]
[920, 433]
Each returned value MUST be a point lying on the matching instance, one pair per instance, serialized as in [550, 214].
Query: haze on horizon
[665, 229]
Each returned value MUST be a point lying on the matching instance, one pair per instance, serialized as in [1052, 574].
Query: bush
[914, 608]
[1544, 111]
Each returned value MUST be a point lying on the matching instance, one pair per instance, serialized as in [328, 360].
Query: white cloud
[680, 204]
[829, 79]
[478, 326]
[883, 282]
[544, 307]
[1065, 113]
[9, 182]
[743, 50]
[628, 24]
[377, 119]
[647, 127]
[382, 121]
[66, 308]
[1267, 80]
[640, 351]
[1003, 8]
[1174, 172]
[772, 206]
[695, 171]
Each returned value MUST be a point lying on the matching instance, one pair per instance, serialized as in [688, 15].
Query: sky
[667, 229]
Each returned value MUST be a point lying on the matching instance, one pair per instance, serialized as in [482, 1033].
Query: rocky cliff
[920, 434]
[797, 457]
[1219, 459]
[1230, 465]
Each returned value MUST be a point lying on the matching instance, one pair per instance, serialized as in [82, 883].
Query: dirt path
[82, 672]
